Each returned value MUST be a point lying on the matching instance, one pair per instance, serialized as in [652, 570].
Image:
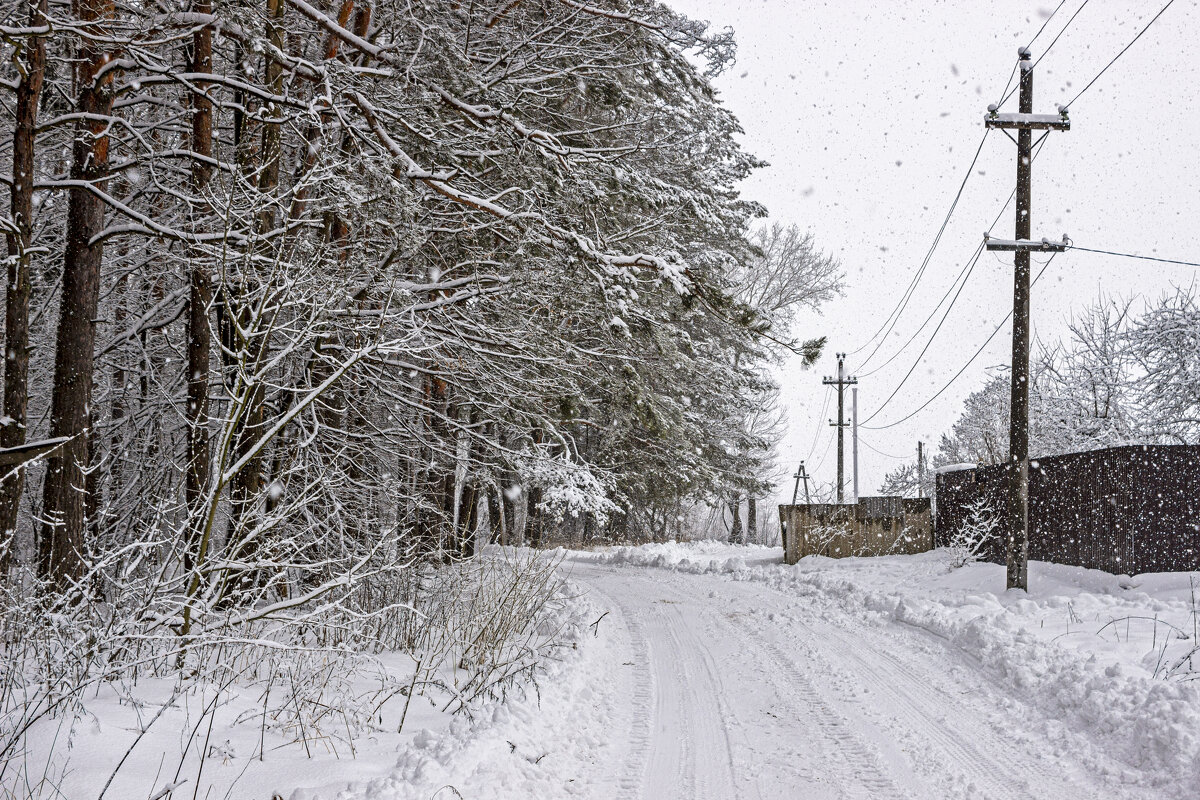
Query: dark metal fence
[1124, 510]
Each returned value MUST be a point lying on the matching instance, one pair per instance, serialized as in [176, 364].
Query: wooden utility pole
[1025, 122]
[854, 438]
[920, 469]
[841, 383]
[801, 475]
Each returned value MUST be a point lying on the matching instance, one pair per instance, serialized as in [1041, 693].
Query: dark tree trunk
[736, 535]
[752, 520]
[199, 465]
[16, 307]
[60, 546]
[496, 518]
[468, 517]
[534, 519]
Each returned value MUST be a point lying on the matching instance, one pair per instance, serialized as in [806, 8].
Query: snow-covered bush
[324, 670]
[567, 488]
[978, 529]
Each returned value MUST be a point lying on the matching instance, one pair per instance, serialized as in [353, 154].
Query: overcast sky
[869, 114]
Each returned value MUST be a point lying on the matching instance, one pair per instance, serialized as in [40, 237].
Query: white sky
[869, 114]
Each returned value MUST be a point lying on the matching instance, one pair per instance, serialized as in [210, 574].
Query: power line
[1049, 46]
[863, 441]
[894, 317]
[1007, 83]
[1134, 255]
[1004, 93]
[970, 361]
[820, 427]
[925, 349]
[967, 266]
[1061, 3]
[824, 456]
[1118, 55]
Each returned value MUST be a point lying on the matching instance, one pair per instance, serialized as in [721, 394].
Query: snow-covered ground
[718, 672]
[701, 670]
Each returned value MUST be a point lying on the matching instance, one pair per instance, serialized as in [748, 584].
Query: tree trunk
[16, 307]
[496, 518]
[533, 517]
[468, 520]
[752, 520]
[60, 546]
[200, 295]
[736, 535]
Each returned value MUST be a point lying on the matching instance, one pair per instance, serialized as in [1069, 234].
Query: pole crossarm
[1012, 245]
[1027, 122]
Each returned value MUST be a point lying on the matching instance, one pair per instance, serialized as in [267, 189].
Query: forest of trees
[305, 298]
[1124, 374]
[283, 275]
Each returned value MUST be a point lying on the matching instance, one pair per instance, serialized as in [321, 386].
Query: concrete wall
[875, 526]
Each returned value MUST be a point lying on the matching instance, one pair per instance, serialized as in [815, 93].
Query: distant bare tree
[789, 275]
[1165, 344]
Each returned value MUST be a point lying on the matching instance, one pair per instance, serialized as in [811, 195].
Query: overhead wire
[925, 349]
[1061, 3]
[824, 456]
[1004, 93]
[1118, 55]
[1008, 93]
[1134, 255]
[1037, 150]
[894, 316]
[963, 369]
[968, 269]
[964, 271]
[1049, 47]
[875, 449]
[821, 416]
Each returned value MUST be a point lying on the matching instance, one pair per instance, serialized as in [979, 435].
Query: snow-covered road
[701, 671]
[734, 689]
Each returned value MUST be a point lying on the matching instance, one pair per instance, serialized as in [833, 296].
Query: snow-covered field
[701, 670]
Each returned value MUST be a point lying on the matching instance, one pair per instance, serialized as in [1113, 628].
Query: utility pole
[801, 475]
[841, 383]
[1025, 122]
[920, 469]
[854, 437]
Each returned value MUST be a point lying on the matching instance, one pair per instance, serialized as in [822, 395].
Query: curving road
[727, 689]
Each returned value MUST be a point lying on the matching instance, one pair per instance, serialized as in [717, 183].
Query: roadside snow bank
[1113, 657]
[518, 746]
[504, 633]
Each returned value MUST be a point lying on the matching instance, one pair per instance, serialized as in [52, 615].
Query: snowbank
[499, 751]
[146, 736]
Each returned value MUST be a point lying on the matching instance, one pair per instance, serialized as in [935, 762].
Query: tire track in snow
[928, 714]
[859, 772]
[691, 754]
[639, 701]
[634, 773]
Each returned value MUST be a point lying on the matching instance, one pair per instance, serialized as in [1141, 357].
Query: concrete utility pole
[801, 475]
[841, 383]
[854, 437]
[920, 469]
[1025, 122]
